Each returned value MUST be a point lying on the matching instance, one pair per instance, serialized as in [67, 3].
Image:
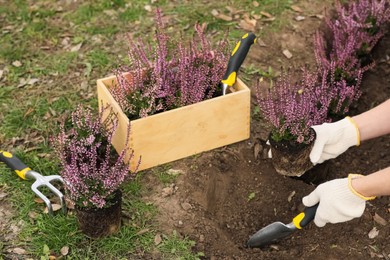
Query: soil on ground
[224, 196]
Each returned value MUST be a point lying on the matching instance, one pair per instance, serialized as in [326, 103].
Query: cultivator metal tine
[45, 181]
[34, 188]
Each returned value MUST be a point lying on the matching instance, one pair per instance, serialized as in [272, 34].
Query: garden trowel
[278, 230]
[236, 59]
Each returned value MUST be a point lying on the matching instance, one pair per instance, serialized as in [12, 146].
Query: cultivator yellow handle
[14, 164]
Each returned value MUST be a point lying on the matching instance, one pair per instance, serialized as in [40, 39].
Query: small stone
[373, 233]
[287, 54]
[186, 206]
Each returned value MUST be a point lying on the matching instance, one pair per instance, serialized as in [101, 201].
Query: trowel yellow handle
[237, 58]
[14, 163]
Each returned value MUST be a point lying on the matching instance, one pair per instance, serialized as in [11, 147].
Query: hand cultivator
[25, 173]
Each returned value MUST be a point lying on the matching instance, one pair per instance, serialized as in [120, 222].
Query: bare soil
[211, 201]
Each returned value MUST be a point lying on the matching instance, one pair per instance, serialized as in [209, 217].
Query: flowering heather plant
[172, 74]
[354, 30]
[337, 94]
[91, 168]
[292, 108]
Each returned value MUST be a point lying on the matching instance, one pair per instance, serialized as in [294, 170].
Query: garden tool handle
[237, 58]
[305, 217]
[14, 163]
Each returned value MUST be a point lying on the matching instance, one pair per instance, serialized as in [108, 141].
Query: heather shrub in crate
[171, 95]
[170, 75]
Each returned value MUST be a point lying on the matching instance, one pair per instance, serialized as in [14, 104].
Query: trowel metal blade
[271, 233]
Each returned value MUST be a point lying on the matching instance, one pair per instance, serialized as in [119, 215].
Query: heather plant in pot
[92, 170]
[169, 73]
[291, 108]
[343, 51]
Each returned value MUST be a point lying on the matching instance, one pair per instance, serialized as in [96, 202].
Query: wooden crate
[181, 132]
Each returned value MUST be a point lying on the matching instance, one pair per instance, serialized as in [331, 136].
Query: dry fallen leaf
[32, 81]
[54, 206]
[39, 200]
[69, 203]
[378, 219]
[287, 53]
[157, 239]
[249, 21]
[22, 82]
[246, 26]
[296, 8]
[76, 47]
[110, 12]
[268, 19]
[33, 214]
[221, 16]
[143, 231]
[3, 195]
[255, 4]
[231, 9]
[268, 15]
[256, 16]
[148, 8]
[224, 17]
[16, 63]
[214, 12]
[299, 18]
[64, 250]
[19, 251]
[373, 233]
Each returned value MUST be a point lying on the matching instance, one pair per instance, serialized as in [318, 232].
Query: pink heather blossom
[91, 168]
[292, 108]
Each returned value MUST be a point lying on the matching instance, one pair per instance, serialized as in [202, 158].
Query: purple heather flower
[292, 108]
[91, 168]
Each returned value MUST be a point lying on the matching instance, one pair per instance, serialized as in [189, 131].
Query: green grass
[175, 247]
[34, 33]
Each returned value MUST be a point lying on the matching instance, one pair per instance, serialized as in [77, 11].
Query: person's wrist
[355, 130]
[356, 183]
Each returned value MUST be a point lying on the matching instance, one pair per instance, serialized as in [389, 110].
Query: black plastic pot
[97, 223]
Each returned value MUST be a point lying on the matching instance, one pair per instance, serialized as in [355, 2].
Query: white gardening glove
[332, 139]
[338, 201]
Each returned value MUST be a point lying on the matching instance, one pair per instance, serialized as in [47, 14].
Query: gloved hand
[333, 139]
[339, 202]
